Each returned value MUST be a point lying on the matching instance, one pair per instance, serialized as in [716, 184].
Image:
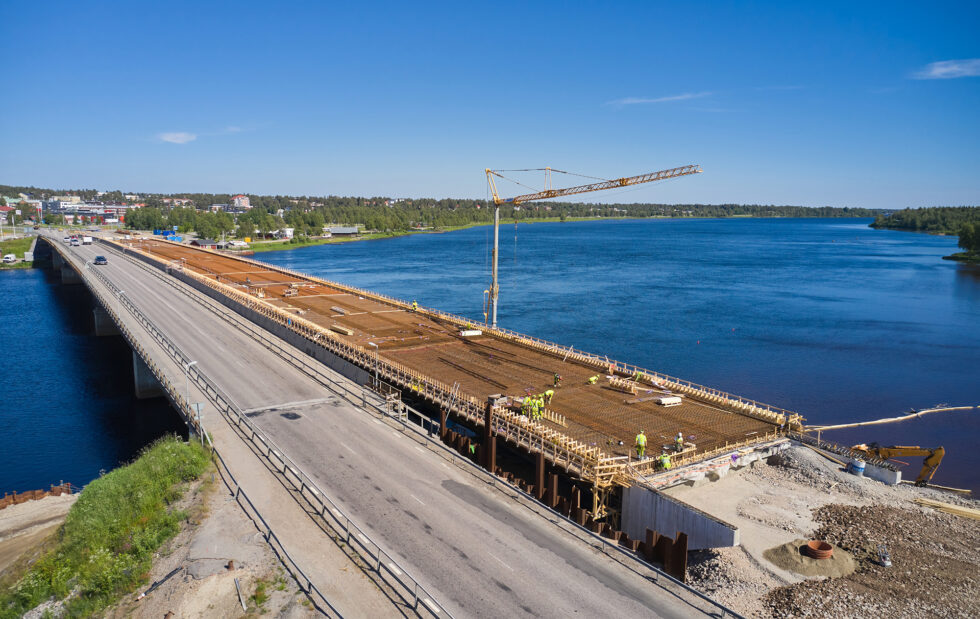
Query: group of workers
[641, 448]
[533, 405]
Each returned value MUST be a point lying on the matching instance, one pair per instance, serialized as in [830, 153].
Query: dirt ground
[26, 526]
[216, 532]
[935, 556]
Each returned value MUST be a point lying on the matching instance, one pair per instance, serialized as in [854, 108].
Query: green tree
[969, 238]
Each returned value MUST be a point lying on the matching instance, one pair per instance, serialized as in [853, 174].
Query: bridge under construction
[477, 375]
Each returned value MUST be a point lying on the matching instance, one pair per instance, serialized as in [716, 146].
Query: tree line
[963, 221]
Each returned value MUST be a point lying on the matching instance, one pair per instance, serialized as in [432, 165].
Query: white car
[67, 240]
[9, 259]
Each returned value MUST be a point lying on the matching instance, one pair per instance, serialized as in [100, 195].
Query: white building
[241, 202]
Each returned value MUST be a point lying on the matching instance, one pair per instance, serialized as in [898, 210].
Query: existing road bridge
[372, 513]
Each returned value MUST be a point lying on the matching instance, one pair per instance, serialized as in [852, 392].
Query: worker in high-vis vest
[679, 442]
[550, 393]
[665, 461]
[557, 380]
[641, 445]
[415, 306]
[593, 379]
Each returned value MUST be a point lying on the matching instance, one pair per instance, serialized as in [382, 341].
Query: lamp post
[187, 368]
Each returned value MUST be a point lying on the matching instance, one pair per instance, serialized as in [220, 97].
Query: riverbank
[25, 530]
[800, 496]
[110, 535]
[967, 257]
[17, 247]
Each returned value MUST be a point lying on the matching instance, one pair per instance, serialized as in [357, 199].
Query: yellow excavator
[929, 465]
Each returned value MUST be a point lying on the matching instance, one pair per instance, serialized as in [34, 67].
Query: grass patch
[17, 247]
[261, 595]
[106, 545]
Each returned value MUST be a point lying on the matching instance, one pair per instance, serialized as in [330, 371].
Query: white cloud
[949, 69]
[233, 129]
[177, 137]
[638, 100]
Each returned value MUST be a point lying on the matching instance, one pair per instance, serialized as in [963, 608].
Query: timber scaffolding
[588, 431]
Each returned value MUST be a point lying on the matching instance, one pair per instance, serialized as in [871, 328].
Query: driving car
[101, 260]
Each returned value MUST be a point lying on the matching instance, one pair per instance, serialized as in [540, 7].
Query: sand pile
[789, 556]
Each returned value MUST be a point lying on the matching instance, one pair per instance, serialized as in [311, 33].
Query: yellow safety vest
[641, 440]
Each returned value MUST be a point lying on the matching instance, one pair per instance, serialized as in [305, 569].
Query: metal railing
[424, 434]
[375, 557]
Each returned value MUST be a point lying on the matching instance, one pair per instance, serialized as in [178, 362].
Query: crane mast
[556, 193]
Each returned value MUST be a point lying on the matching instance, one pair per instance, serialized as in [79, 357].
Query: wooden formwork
[588, 430]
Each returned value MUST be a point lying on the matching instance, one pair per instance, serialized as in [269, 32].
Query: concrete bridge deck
[600, 415]
[479, 554]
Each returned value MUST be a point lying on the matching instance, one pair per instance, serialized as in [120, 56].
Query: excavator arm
[933, 457]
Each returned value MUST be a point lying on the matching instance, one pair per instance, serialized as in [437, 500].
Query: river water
[826, 317]
[67, 410]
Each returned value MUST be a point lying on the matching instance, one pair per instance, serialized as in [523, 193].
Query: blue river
[826, 317]
[67, 410]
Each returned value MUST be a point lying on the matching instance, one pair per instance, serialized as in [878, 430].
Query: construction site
[471, 371]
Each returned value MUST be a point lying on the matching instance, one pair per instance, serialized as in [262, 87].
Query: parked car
[9, 258]
[101, 260]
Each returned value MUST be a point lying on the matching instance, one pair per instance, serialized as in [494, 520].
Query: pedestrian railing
[375, 558]
[426, 429]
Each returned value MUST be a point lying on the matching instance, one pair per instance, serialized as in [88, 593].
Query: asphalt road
[475, 550]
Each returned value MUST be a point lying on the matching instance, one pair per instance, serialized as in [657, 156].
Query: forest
[308, 214]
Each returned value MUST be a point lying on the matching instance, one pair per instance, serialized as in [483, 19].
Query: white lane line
[422, 449]
[395, 570]
[431, 605]
[364, 538]
[377, 421]
[336, 512]
[348, 448]
[396, 433]
[501, 562]
[416, 498]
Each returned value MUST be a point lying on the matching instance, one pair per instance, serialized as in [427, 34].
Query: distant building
[132, 197]
[341, 230]
[217, 208]
[205, 243]
[283, 233]
[71, 199]
[241, 202]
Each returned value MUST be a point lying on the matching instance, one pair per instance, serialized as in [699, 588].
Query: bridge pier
[69, 275]
[144, 382]
[104, 325]
[56, 260]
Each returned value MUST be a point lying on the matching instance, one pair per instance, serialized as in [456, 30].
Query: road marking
[336, 512]
[501, 562]
[395, 570]
[348, 448]
[422, 449]
[416, 498]
[431, 605]
[396, 432]
[378, 421]
[364, 538]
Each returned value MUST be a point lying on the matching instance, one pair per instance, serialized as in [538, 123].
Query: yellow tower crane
[556, 193]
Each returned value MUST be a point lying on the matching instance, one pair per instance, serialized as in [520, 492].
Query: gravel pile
[935, 566]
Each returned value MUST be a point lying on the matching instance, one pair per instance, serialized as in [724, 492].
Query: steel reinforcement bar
[745, 406]
[588, 462]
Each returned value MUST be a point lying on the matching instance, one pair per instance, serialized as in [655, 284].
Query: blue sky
[846, 104]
